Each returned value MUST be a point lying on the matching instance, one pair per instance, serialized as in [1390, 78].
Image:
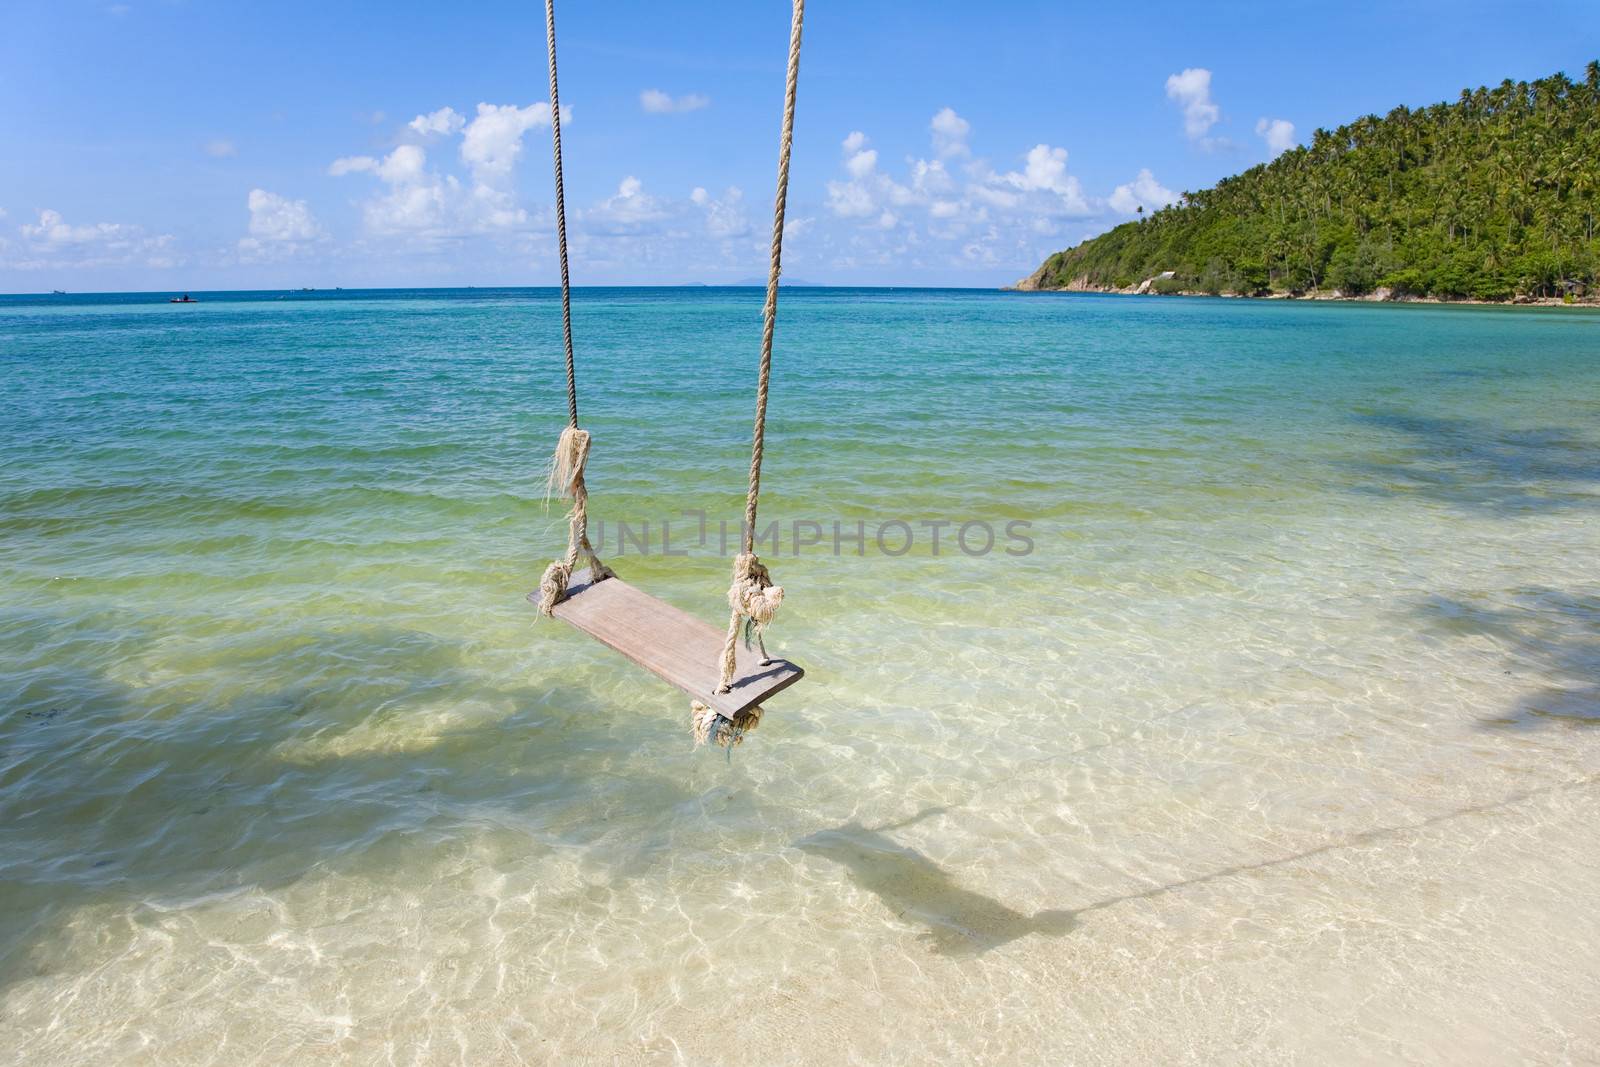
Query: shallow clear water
[1281, 742]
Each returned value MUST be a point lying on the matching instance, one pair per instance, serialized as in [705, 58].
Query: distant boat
[184, 299]
[58, 292]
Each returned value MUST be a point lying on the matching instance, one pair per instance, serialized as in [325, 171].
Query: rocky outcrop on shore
[1035, 282]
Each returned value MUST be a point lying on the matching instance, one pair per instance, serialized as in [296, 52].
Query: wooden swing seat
[671, 644]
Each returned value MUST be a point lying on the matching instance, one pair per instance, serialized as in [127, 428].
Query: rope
[770, 315]
[561, 215]
[572, 450]
[752, 598]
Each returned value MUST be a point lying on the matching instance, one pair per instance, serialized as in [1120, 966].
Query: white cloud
[959, 211]
[982, 252]
[422, 202]
[630, 211]
[1278, 133]
[858, 196]
[54, 242]
[930, 176]
[725, 217]
[221, 148]
[862, 163]
[1042, 188]
[656, 102]
[423, 209]
[636, 234]
[351, 165]
[850, 199]
[950, 133]
[867, 190]
[407, 163]
[417, 202]
[492, 142]
[1191, 89]
[53, 229]
[1046, 169]
[277, 218]
[278, 226]
[1144, 191]
[444, 121]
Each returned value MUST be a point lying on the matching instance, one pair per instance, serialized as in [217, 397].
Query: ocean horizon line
[553, 287]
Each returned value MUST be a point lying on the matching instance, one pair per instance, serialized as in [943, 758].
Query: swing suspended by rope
[726, 679]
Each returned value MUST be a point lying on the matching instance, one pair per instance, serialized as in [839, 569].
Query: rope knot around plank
[753, 600]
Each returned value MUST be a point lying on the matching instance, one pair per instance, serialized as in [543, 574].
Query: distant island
[797, 283]
[1491, 198]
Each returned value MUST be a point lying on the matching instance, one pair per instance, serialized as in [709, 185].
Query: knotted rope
[566, 474]
[709, 725]
[752, 598]
[572, 450]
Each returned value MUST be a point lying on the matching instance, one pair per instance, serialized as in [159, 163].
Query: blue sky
[184, 144]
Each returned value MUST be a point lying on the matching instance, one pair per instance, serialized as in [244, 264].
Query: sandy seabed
[1281, 746]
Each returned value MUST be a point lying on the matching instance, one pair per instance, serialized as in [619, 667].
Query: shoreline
[1380, 296]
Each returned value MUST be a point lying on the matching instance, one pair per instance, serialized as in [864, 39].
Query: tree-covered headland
[1489, 198]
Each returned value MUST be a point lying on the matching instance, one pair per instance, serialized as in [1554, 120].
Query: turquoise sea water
[1279, 741]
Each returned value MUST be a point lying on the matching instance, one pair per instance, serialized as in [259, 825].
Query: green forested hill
[1489, 197]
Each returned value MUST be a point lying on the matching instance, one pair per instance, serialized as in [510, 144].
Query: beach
[1380, 295]
[1276, 741]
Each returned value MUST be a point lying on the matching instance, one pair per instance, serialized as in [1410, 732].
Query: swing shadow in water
[959, 922]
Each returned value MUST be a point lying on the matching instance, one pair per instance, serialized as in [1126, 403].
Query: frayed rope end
[708, 725]
[566, 465]
[553, 587]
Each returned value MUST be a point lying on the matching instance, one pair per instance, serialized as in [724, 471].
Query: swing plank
[669, 643]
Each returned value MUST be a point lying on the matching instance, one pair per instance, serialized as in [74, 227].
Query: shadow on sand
[1554, 632]
[960, 922]
[106, 787]
[1470, 463]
